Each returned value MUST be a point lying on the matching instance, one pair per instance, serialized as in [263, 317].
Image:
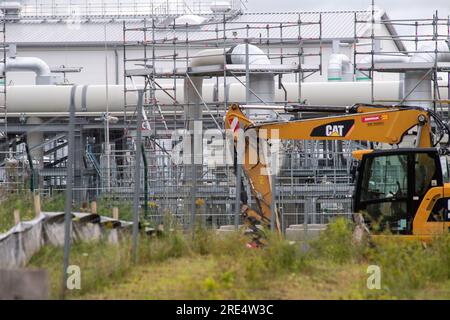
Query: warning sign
[375, 118]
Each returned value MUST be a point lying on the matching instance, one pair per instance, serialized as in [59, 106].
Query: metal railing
[117, 8]
[418, 36]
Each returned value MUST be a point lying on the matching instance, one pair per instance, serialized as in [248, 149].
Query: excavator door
[391, 186]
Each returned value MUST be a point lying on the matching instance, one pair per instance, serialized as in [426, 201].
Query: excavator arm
[371, 123]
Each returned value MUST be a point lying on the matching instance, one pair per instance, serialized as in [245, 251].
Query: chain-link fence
[314, 180]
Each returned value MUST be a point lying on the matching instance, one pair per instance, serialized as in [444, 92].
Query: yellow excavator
[400, 190]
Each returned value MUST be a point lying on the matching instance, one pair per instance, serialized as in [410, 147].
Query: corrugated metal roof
[335, 25]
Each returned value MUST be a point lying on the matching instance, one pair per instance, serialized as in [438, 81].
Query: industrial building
[192, 59]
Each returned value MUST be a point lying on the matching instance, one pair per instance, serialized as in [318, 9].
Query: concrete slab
[297, 233]
[21, 284]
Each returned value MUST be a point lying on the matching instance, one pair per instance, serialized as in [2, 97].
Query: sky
[395, 8]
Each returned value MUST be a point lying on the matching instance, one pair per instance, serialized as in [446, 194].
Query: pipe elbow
[207, 57]
[36, 65]
[237, 55]
[338, 66]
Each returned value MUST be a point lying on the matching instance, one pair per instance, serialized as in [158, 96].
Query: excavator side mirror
[358, 154]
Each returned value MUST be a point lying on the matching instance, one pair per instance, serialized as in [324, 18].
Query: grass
[208, 266]
[23, 202]
[410, 268]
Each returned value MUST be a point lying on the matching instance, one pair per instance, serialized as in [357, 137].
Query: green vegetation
[23, 201]
[336, 244]
[411, 270]
[179, 265]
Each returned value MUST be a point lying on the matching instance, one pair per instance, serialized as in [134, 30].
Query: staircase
[92, 159]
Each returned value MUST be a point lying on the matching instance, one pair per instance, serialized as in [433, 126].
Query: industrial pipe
[362, 76]
[418, 84]
[427, 53]
[261, 86]
[44, 76]
[53, 101]
[339, 68]
[31, 64]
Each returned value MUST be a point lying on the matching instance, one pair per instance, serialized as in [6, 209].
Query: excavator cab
[401, 191]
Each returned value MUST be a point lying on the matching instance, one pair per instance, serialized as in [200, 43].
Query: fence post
[115, 213]
[16, 216]
[69, 185]
[94, 207]
[37, 204]
[137, 174]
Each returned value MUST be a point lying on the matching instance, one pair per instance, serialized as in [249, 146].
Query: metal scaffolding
[3, 81]
[415, 34]
[58, 9]
[167, 47]
[313, 184]
[314, 176]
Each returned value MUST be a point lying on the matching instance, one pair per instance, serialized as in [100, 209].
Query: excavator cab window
[391, 185]
[445, 171]
[441, 211]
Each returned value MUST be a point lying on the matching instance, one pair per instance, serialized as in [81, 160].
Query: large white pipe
[418, 84]
[261, 86]
[193, 86]
[194, 102]
[35, 139]
[330, 93]
[56, 98]
[427, 53]
[361, 75]
[237, 55]
[208, 57]
[418, 87]
[92, 99]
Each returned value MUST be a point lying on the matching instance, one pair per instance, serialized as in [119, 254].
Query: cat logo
[334, 129]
